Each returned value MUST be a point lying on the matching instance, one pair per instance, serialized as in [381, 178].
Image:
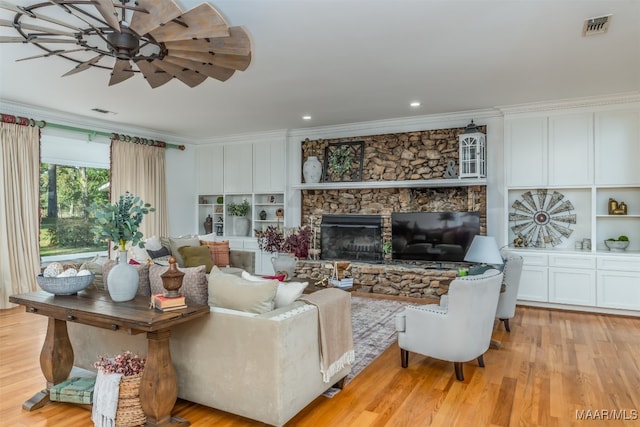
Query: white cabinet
[269, 165]
[533, 281]
[617, 147]
[526, 151]
[238, 170]
[571, 149]
[210, 166]
[618, 282]
[572, 286]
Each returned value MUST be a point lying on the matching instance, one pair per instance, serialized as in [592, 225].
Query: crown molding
[59, 117]
[404, 124]
[267, 136]
[573, 103]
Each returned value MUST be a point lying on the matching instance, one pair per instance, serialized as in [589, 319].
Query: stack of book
[163, 303]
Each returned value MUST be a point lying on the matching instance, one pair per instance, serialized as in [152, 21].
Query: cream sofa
[265, 367]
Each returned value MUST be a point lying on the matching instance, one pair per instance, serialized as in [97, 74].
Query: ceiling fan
[151, 37]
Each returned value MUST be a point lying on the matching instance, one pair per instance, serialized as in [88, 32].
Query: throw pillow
[162, 252]
[476, 270]
[143, 277]
[153, 243]
[287, 292]
[138, 254]
[219, 252]
[194, 283]
[178, 242]
[236, 293]
[194, 256]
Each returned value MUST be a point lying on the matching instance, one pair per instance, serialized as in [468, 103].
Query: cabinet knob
[33, 310]
[70, 317]
[114, 327]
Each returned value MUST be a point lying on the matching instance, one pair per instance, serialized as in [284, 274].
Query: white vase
[284, 263]
[312, 170]
[122, 282]
[241, 225]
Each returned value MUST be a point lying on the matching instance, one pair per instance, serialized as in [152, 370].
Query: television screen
[433, 236]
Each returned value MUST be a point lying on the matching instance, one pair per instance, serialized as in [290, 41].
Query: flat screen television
[433, 236]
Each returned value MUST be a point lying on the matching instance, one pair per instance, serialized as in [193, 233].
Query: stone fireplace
[351, 237]
[417, 158]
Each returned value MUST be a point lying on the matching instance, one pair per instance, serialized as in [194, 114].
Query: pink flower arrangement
[125, 363]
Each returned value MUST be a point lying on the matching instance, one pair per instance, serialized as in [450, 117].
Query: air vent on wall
[597, 25]
[102, 111]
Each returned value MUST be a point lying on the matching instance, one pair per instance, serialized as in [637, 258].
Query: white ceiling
[345, 61]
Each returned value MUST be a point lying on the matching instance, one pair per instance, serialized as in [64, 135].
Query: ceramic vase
[312, 170]
[122, 282]
[241, 225]
[284, 263]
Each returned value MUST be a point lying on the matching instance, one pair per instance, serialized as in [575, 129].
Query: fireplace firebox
[351, 237]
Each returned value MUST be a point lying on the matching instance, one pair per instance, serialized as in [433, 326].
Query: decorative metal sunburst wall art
[541, 218]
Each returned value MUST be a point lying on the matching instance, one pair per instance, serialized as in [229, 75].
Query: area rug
[374, 330]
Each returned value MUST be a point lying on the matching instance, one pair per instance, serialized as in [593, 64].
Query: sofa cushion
[219, 252]
[287, 292]
[143, 277]
[194, 283]
[194, 256]
[178, 242]
[162, 252]
[236, 293]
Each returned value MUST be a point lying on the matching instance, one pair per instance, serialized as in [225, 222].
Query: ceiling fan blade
[160, 12]
[108, 12]
[55, 52]
[44, 30]
[16, 9]
[236, 62]
[188, 77]
[238, 43]
[121, 72]
[31, 39]
[202, 21]
[84, 66]
[154, 76]
[209, 70]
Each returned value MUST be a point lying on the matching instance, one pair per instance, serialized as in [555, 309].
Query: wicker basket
[129, 412]
[65, 285]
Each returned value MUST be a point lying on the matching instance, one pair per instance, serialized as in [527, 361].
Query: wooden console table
[159, 389]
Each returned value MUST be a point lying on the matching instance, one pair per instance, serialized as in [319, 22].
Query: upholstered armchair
[511, 282]
[459, 331]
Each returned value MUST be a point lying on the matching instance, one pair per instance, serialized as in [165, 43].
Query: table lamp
[484, 250]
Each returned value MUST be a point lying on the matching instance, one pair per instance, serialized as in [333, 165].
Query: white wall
[181, 191]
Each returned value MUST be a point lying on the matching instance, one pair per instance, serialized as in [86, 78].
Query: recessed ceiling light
[306, 117]
[415, 104]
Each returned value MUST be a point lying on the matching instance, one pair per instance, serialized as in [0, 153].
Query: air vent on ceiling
[597, 25]
[102, 111]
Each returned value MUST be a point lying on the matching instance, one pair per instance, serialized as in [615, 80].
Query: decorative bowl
[65, 285]
[616, 245]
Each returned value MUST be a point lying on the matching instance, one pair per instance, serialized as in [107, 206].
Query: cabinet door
[269, 166]
[572, 286]
[619, 289]
[617, 147]
[238, 170]
[571, 149]
[526, 151]
[209, 170]
[533, 284]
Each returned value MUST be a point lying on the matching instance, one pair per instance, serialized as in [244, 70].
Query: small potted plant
[239, 211]
[287, 245]
[119, 222]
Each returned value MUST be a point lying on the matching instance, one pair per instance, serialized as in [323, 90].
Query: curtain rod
[91, 133]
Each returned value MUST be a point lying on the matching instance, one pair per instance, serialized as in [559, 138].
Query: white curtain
[19, 210]
[140, 169]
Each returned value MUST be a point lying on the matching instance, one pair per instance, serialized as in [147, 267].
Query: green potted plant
[239, 211]
[119, 223]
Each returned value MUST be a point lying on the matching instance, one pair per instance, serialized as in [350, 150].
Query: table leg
[159, 388]
[56, 361]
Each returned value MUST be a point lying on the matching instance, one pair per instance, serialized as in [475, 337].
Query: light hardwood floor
[553, 364]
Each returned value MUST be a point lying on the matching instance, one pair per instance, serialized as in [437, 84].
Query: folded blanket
[105, 399]
[335, 332]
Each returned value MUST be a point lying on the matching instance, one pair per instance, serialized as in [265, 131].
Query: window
[74, 175]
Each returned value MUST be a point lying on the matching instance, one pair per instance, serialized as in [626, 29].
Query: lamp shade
[484, 250]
